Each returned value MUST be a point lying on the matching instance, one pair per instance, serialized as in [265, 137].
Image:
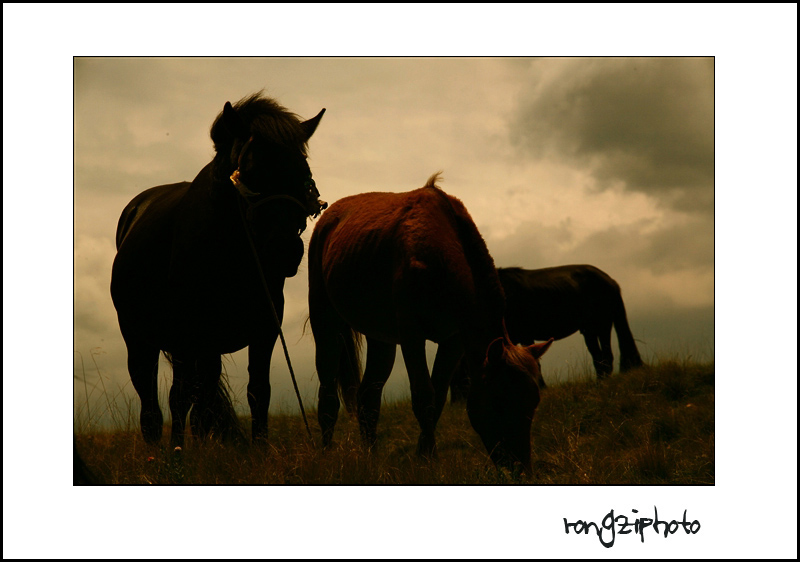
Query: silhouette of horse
[186, 279]
[556, 302]
[403, 268]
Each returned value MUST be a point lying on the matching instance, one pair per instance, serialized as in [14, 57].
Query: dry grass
[650, 426]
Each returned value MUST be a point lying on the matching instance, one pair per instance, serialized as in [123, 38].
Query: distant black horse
[403, 268]
[186, 279]
[556, 302]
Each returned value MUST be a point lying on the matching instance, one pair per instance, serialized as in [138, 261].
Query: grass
[651, 426]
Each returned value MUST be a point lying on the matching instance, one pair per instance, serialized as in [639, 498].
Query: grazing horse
[194, 261]
[556, 302]
[403, 268]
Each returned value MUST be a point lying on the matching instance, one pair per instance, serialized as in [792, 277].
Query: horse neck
[477, 341]
[220, 168]
[214, 180]
[212, 205]
[213, 191]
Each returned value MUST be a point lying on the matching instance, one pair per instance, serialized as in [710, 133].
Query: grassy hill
[651, 426]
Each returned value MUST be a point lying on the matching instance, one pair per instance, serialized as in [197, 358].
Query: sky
[606, 161]
[676, 176]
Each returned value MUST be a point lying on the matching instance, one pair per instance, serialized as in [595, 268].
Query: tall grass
[100, 407]
[654, 425]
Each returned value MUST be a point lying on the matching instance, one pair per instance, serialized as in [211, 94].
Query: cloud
[668, 265]
[644, 123]
[671, 247]
[95, 316]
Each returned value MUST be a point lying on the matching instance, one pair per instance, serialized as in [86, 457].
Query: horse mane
[487, 283]
[266, 118]
[514, 274]
[432, 181]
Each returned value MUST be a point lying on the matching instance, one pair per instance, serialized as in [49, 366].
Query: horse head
[262, 152]
[503, 399]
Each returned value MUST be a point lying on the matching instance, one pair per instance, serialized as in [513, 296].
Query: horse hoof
[426, 448]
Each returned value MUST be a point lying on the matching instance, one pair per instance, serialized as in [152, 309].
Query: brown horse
[403, 268]
[556, 302]
[194, 258]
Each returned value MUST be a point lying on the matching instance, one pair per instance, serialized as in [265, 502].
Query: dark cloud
[647, 123]
[665, 267]
[669, 249]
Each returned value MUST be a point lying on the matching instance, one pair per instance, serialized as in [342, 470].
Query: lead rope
[277, 320]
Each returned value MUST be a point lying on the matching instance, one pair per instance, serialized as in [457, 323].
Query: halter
[312, 207]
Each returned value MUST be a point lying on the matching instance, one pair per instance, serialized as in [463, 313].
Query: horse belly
[370, 319]
[390, 307]
[181, 319]
[390, 320]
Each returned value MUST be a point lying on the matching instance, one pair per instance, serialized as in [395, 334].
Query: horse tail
[223, 418]
[349, 368]
[215, 414]
[629, 357]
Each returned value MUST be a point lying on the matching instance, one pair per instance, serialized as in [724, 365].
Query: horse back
[396, 261]
[556, 301]
[148, 211]
[561, 279]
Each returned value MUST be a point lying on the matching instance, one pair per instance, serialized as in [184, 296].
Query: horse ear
[538, 349]
[494, 353]
[233, 123]
[311, 125]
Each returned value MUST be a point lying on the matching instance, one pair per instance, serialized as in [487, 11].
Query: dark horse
[403, 268]
[191, 256]
[556, 302]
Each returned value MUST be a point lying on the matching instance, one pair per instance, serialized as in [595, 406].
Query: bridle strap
[241, 152]
[243, 190]
[276, 319]
[312, 207]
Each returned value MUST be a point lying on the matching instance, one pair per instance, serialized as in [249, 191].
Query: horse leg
[380, 360]
[448, 357]
[259, 390]
[604, 335]
[459, 384]
[329, 351]
[594, 349]
[422, 394]
[330, 338]
[207, 411]
[180, 396]
[143, 368]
